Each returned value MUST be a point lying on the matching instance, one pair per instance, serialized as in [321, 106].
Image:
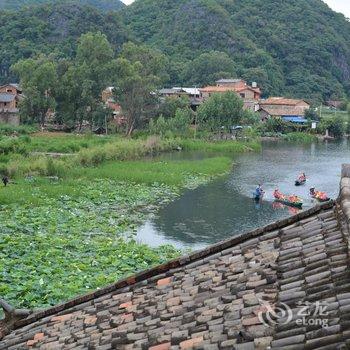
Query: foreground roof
[222, 297]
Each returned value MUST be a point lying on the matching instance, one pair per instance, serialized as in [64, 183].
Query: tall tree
[84, 80]
[138, 72]
[39, 81]
[153, 61]
[133, 90]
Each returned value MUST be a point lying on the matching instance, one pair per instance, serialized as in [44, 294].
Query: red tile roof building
[250, 94]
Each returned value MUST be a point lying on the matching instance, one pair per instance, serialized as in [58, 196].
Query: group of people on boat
[293, 200]
[321, 196]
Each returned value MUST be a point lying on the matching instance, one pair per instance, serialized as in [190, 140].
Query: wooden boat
[321, 200]
[289, 203]
[300, 183]
[319, 196]
[286, 200]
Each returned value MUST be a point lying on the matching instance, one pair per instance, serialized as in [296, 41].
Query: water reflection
[224, 207]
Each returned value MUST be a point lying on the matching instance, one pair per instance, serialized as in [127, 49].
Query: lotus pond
[61, 237]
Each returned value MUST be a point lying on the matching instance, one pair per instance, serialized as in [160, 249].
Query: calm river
[225, 207]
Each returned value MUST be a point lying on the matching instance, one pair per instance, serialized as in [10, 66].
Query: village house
[279, 107]
[249, 94]
[110, 102]
[10, 95]
[193, 94]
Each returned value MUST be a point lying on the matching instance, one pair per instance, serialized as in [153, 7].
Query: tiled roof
[6, 97]
[228, 88]
[281, 101]
[11, 84]
[212, 299]
[283, 111]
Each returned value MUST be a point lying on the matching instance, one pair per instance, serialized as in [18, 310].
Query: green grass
[65, 143]
[7, 129]
[174, 173]
[300, 137]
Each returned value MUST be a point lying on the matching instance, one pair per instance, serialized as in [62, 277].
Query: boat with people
[301, 180]
[292, 201]
[318, 195]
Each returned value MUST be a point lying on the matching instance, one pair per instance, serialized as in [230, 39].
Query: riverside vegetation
[67, 224]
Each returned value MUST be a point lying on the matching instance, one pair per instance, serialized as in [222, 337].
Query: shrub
[179, 125]
[335, 125]
[13, 145]
[300, 137]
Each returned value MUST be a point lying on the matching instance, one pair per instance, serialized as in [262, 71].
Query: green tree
[178, 125]
[39, 80]
[335, 125]
[84, 80]
[220, 110]
[153, 61]
[133, 90]
[169, 105]
[209, 67]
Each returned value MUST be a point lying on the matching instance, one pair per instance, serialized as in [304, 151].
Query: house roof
[6, 97]
[191, 91]
[11, 84]
[228, 88]
[212, 298]
[170, 91]
[281, 101]
[283, 111]
[177, 90]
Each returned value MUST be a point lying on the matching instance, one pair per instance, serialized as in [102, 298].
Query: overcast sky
[337, 5]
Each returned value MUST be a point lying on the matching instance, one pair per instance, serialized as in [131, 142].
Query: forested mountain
[297, 47]
[104, 5]
[52, 29]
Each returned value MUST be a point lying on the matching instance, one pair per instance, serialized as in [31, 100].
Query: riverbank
[68, 224]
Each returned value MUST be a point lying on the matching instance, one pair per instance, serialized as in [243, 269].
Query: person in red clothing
[302, 177]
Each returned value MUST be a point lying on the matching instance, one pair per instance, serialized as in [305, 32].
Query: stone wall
[9, 118]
